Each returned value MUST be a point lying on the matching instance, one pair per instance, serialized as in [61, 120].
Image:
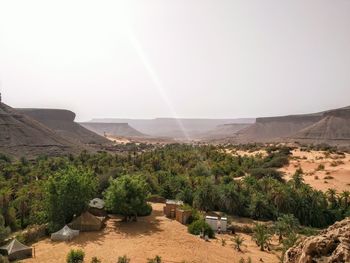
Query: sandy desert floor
[150, 236]
[336, 168]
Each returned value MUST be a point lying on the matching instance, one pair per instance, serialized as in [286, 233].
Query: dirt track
[150, 236]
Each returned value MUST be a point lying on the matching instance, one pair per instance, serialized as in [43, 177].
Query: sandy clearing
[309, 162]
[150, 236]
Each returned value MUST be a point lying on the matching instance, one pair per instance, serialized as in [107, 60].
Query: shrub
[75, 256]
[237, 241]
[277, 162]
[123, 259]
[156, 259]
[195, 215]
[260, 173]
[95, 260]
[199, 226]
[328, 177]
[320, 167]
[146, 210]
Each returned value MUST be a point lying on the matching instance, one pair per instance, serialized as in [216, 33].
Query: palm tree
[238, 242]
[261, 235]
[285, 225]
[345, 198]
[298, 178]
[332, 197]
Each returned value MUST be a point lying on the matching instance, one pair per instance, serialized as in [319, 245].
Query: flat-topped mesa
[21, 135]
[62, 122]
[49, 114]
[340, 113]
[290, 118]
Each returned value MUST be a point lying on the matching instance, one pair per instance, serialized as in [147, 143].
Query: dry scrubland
[150, 236]
[322, 171]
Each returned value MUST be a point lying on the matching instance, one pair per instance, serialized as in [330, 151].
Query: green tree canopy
[67, 193]
[127, 196]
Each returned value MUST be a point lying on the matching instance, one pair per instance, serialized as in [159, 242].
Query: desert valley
[252, 172]
[187, 131]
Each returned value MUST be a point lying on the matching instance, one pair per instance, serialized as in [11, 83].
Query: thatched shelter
[87, 222]
[15, 250]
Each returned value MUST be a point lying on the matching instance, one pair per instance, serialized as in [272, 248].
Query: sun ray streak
[155, 78]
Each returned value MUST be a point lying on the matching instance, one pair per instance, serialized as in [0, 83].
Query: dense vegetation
[53, 190]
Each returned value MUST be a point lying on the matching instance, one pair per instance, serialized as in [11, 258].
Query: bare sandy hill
[62, 122]
[333, 128]
[21, 135]
[112, 129]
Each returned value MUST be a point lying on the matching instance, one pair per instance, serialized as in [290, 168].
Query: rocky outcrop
[331, 245]
[62, 122]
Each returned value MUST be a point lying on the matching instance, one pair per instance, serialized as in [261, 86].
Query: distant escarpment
[333, 128]
[112, 129]
[276, 128]
[62, 122]
[21, 135]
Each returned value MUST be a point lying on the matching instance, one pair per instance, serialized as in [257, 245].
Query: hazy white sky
[185, 58]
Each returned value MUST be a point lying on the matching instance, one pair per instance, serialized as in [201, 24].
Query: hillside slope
[276, 128]
[114, 129]
[62, 122]
[333, 128]
[21, 135]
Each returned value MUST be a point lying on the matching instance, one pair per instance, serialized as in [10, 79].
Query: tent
[64, 234]
[87, 222]
[15, 250]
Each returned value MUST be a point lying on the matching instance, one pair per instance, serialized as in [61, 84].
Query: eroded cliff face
[275, 128]
[62, 122]
[333, 128]
[331, 245]
[21, 135]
